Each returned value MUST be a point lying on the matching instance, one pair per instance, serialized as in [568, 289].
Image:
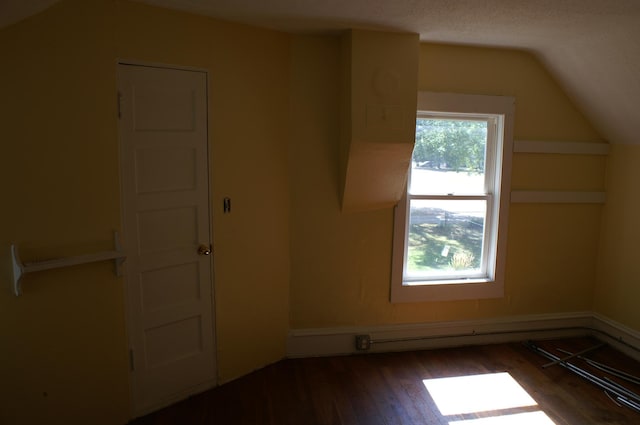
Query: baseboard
[139, 411]
[621, 337]
[405, 337]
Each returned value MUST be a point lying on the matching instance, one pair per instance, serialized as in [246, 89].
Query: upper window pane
[449, 157]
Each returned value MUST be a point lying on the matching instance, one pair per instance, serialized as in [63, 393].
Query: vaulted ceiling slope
[592, 47]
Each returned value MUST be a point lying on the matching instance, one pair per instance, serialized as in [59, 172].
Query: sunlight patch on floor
[529, 418]
[492, 392]
[477, 393]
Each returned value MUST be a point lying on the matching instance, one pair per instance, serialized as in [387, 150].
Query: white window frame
[491, 283]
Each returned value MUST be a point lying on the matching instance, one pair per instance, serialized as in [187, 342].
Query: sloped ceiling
[592, 47]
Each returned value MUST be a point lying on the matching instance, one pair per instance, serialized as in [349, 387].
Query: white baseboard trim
[406, 337]
[139, 411]
[621, 337]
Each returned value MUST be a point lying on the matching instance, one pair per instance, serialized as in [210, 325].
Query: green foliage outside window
[450, 144]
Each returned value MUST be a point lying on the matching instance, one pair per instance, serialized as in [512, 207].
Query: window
[450, 227]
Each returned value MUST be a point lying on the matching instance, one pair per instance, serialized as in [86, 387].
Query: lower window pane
[445, 238]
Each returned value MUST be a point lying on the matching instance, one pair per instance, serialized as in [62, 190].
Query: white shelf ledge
[19, 268]
[557, 197]
[574, 148]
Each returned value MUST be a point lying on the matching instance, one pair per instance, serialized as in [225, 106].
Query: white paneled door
[165, 194]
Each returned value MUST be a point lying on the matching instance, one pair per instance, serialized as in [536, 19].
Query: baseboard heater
[364, 342]
[407, 337]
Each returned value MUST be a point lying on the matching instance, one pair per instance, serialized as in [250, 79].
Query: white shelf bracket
[118, 261]
[20, 268]
[17, 271]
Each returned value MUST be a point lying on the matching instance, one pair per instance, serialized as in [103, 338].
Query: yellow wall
[618, 287]
[286, 257]
[340, 273]
[63, 357]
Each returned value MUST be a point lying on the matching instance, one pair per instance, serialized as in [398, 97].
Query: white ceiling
[592, 47]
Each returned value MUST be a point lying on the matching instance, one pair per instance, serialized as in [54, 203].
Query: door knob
[204, 250]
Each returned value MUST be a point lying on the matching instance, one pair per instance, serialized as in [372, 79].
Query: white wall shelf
[561, 148]
[557, 197]
[567, 148]
[20, 268]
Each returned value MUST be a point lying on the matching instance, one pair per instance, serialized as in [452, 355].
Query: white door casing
[165, 195]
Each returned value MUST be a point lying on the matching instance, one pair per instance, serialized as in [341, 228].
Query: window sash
[491, 152]
[487, 261]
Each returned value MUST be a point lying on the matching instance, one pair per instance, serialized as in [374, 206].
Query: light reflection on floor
[497, 393]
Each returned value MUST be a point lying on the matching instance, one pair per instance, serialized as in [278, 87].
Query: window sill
[446, 290]
[461, 281]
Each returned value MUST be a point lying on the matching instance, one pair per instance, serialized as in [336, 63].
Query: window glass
[446, 237]
[447, 199]
[449, 156]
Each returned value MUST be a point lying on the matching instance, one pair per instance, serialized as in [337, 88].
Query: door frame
[136, 411]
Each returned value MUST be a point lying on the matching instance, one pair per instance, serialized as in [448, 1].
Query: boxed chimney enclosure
[378, 117]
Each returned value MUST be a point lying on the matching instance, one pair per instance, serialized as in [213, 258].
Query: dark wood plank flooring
[374, 389]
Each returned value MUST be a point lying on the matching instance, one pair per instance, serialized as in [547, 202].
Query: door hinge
[131, 363]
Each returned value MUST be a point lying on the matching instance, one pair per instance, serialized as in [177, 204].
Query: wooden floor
[376, 389]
